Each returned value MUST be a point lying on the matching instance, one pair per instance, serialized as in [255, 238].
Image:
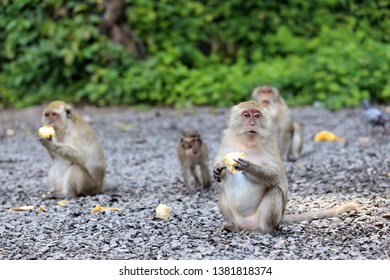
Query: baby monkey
[192, 152]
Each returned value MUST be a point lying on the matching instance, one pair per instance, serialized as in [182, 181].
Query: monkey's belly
[57, 173]
[244, 198]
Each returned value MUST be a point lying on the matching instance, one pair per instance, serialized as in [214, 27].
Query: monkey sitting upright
[288, 131]
[192, 152]
[78, 162]
[255, 197]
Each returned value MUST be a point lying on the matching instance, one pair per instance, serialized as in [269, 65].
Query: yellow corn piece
[326, 136]
[229, 160]
[22, 208]
[163, 211]
[63, 202]
[41, 208]
[47, 132]
[98, 208]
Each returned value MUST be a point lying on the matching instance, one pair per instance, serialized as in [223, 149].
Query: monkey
[255, 198]
[78, 160]
[288, 131]
[192, 152]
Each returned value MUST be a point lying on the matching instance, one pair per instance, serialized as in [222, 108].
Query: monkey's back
[92, 149]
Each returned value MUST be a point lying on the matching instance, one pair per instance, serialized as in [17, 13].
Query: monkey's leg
[270, 210]
[227, 214]
[56, 183]
[195, 175]
[55, 180]
[205, 174]
[296, 143]
[186, 178]
[284, 143]
[77, 181]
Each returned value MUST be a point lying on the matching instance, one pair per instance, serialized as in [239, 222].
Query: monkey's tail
[321, 214]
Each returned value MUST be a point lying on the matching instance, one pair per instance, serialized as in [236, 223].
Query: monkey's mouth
[252, 132]
[194, 152]
[265, 103]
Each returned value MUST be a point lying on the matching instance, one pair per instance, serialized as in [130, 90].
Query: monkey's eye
[246, 115]
[51, 114]
[257, 115]
[186, 145]
[195, 142]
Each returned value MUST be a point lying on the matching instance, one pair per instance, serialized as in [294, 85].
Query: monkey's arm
[63, 150]
[264, 172]
[42, 141]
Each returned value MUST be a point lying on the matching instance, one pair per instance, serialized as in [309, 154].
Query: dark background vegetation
[191, 52]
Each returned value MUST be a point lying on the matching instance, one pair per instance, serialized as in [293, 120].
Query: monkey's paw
[242, 164]
[45, 141]
[217, 172]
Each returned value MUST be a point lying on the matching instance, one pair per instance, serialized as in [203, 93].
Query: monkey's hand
[46, 142]
[218, 172]
[242, 164]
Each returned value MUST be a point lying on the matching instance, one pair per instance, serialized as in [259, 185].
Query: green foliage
[199, 52]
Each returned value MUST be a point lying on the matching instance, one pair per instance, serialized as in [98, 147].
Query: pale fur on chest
[277, 114]
[240, 188]
[191, 160]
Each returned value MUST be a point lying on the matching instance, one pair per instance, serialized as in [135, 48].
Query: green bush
[198, 52]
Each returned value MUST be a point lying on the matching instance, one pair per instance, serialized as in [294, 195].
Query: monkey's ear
[68, 111]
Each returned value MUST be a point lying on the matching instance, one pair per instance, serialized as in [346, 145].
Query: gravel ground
[140, 149]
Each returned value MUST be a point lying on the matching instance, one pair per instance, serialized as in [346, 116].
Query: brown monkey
[288, 131]
[78, 163]
[191, 152]
[256, 197]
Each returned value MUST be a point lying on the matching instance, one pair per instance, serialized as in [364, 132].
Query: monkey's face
[191, 145]
[265, 95]
[56, 115]
[251, 120]
[51, 118]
